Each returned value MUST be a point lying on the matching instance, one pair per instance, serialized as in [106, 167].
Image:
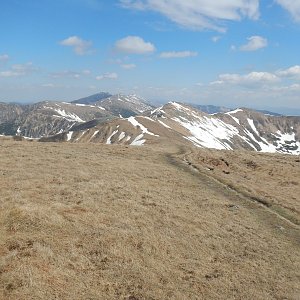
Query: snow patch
[147, 118]
[87, 105]
[94, 134]
[108, 141]
[159, 109]
[69, 135]
[233, 111]
[286, 143]
[251, 123]
[80, 136]
[135, 123]
[121, 136]
[68, 116]
[209, 132]
[179, 106]
[163, 124]
[265, 146]
[230, 113]
[138, 141]
[235, 119]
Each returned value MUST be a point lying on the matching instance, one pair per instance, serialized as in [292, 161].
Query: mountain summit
[93, 98]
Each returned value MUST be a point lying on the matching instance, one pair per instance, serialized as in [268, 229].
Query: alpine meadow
[149, 149]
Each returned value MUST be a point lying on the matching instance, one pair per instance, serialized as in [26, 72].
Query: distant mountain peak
[210, 109]
[125, 105]
[93, 98]
[48, 118]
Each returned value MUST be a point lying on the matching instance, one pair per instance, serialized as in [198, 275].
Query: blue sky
[232, 53]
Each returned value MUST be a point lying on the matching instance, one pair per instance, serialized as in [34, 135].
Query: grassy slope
[88, 221]
[271, 179]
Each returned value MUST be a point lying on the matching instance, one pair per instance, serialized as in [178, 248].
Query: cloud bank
[199, 14]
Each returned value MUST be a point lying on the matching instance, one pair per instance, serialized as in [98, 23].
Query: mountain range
[130, 120]
[48, 118]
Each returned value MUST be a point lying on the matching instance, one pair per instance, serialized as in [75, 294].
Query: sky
[233, 53]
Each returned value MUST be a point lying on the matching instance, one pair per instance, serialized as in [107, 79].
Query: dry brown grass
[271, 179]
[88, 221]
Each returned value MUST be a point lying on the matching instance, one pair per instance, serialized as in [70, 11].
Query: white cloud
[290, 72]
[107, 76]
[19, 70]
[289, 88]
[128, 66]
[9, 74]
[292, 6]
[80, 46]
[252, 78]
[180, 54]
[4, 57]
[215, 38]
[254, 43]
[134, 45]
[24, 68]
[294, 87]
[70, 74]
[262, 78]
[216, 82]
[199, 14]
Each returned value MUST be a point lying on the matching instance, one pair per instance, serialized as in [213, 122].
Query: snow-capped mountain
[179, 123]
[49, 118]
[125, 105]
[130, 120]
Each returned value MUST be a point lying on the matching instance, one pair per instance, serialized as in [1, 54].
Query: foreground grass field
[88, 221]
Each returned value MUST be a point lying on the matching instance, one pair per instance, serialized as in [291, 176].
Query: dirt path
[182, 161]
[260, 209]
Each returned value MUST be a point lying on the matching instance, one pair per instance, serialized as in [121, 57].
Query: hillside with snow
[49, 118]
[180, 123]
